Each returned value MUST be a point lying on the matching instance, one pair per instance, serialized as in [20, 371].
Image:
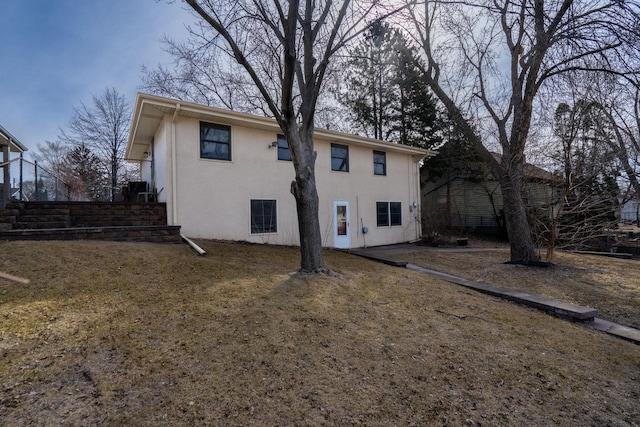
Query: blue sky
[56, 53]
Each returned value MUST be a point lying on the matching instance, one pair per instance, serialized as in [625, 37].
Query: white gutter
[174, 165]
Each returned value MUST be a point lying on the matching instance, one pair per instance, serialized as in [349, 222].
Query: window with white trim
[388, 214]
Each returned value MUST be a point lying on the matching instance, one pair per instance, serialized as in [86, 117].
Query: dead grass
[610, 285]
[143, 334]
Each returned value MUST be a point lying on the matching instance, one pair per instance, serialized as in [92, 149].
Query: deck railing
[29, 181]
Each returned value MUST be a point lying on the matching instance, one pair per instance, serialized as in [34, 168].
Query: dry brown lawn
[610, 285]
[145, 335]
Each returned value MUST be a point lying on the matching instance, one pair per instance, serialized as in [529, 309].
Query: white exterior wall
[212, 197]
[362, 189]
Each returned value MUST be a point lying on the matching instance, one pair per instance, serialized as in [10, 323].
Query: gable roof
[150, 110]
[14, 144]
[535, 173]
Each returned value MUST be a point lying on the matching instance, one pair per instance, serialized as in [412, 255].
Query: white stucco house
[227, 175]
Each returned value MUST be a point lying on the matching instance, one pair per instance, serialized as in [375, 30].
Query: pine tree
[87, 171]
[384, 93]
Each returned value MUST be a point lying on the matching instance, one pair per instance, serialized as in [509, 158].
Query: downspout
[416, 197]
[174, 165]
[417, 216]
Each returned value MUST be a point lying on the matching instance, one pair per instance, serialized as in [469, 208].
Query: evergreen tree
[384, 93]
[417, 121]
[87, 171]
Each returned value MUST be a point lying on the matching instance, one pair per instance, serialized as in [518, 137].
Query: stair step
[9, 213]
[155, 234]
[50, 215]
[39, 211]
[44, 218]
[40, 225]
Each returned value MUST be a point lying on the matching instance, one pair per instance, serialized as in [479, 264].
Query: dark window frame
[388, 214]
[382, 214]
[343, 165]
[379, 164]
[263, 216]
[395, 214]
[226, 144]
[284, 153]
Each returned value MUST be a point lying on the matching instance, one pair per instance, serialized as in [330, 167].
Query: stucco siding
[214, 195]
[212, 198]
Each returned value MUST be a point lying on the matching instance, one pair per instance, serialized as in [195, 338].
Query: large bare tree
[103, 128]
[487, 60]
[618, 100]
[285, 48]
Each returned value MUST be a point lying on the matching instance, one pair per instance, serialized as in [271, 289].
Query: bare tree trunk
[304, 190]
[297, 39]
[114, 175]
[516, 218]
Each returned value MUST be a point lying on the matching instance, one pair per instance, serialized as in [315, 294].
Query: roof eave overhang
[7, 139]
[151, 110]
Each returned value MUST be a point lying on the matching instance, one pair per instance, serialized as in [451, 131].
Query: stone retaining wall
[29, 215]
[87, 221]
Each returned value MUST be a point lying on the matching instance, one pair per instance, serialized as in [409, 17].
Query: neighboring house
[470, 199]
[630, 212]
[227, 175]
[8, 144]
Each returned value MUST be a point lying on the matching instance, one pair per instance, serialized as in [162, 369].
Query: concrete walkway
[584, 315]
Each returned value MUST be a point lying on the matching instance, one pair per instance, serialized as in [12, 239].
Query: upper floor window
[215, 141]
[339, 158]
[283, 149]
[379, 163]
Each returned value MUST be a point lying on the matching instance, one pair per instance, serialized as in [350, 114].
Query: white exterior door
[341, 234]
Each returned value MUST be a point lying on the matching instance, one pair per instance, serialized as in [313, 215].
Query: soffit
[151, 110]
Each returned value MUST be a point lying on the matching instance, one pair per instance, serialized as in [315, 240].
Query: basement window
[263, 217]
